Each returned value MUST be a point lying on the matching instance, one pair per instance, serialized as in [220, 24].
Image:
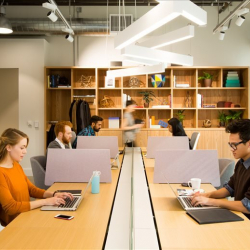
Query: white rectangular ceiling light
[159, 68]
[157, 55]
[169, 38]
[163, 13]
[139, 60]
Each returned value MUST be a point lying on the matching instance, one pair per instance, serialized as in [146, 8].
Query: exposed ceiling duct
[81, 26]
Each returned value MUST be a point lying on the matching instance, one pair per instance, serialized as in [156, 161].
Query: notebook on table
[218, 215]
[70, 205]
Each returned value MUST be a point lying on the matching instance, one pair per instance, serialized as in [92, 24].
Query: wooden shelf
[58, 101]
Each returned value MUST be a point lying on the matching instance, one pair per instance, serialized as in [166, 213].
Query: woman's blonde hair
[10, 136]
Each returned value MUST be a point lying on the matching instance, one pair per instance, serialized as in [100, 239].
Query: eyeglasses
[234, 145]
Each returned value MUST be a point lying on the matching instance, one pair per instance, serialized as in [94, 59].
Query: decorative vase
[146, 104]
[158, 80]
[207, 83]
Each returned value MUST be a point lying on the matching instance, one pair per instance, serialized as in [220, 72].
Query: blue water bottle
[95, 184]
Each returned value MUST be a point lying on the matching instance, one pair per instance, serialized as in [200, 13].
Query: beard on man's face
[65, 140]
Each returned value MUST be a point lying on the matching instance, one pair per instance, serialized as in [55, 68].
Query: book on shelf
[233, 81]
[182, 85]
[209, 105]
[199, 98]
[63, 86]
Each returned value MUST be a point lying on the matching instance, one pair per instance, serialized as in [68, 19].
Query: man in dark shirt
[239, 183]
[95, 126]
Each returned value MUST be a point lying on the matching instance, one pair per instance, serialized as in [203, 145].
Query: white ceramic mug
[195, 182]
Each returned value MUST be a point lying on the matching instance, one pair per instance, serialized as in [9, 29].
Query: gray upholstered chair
[38, 165]
[226, 170]
[73, 137]
[194, 140]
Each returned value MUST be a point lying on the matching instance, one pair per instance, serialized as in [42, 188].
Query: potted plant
[180, 115]
[207, 79]
[222, 118]
[147, 97]
[233, 115]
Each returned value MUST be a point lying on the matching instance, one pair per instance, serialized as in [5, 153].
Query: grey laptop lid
[177, 166]
[76, 165]
[166, 142]
[99, 142]
[77, 201]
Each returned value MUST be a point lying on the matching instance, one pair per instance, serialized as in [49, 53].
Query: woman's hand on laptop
[54, 201]
[64, 195]
[200, 199]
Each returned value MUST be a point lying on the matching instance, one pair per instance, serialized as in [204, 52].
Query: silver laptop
[70, 205]
[167, 143]
[185, 202]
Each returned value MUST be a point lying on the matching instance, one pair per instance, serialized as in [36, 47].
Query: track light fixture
[5, 25]
[222, 35]
[238, 11]
[69, 38]
[52, 16]
[49, 6]
[240, 20]
[67, 30]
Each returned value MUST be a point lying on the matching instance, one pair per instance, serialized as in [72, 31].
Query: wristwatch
[55, 192]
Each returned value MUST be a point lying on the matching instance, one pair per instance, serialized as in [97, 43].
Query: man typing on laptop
[239, 184]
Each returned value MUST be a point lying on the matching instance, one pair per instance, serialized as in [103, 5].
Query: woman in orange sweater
[15, 187]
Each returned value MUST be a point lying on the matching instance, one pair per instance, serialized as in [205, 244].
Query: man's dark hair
[95, 119]
[242, 127]
[129, 102]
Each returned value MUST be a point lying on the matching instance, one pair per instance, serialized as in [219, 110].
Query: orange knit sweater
[15, 193]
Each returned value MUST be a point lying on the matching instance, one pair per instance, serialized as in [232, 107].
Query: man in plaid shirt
[95, 126]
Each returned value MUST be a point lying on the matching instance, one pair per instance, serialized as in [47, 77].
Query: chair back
[194, 140]
[38, 165]
[73, 137]
[226, 167]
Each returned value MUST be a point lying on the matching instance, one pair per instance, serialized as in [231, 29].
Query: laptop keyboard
[69, 203]
[187, 200]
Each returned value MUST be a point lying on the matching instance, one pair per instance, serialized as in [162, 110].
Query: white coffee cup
[195, 183]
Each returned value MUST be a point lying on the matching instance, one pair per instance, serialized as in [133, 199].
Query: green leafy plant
[180, 115]
[147, 96]
[222, 116]
[206, 76]
[233, 115]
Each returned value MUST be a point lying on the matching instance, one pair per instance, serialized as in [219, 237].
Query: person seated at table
[63, 135]
[175, 127]
[95, 126]
[15, 187]
[239, 184]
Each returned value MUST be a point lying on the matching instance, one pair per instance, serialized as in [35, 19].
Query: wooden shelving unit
[58, 100]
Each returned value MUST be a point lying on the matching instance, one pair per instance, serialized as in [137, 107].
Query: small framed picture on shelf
[109, 82]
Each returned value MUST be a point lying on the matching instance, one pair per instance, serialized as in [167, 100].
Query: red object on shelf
[227, 104]
[139, 107]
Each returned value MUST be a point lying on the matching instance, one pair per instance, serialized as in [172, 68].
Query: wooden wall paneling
[158, 132]
[180, 95]
[142, 138]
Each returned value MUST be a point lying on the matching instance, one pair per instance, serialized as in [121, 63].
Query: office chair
[38, 165]
[194, 140]
[226, 170]
[73, 138]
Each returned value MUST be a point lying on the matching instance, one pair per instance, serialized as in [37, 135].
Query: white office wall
[28, 56]
[31, 55]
